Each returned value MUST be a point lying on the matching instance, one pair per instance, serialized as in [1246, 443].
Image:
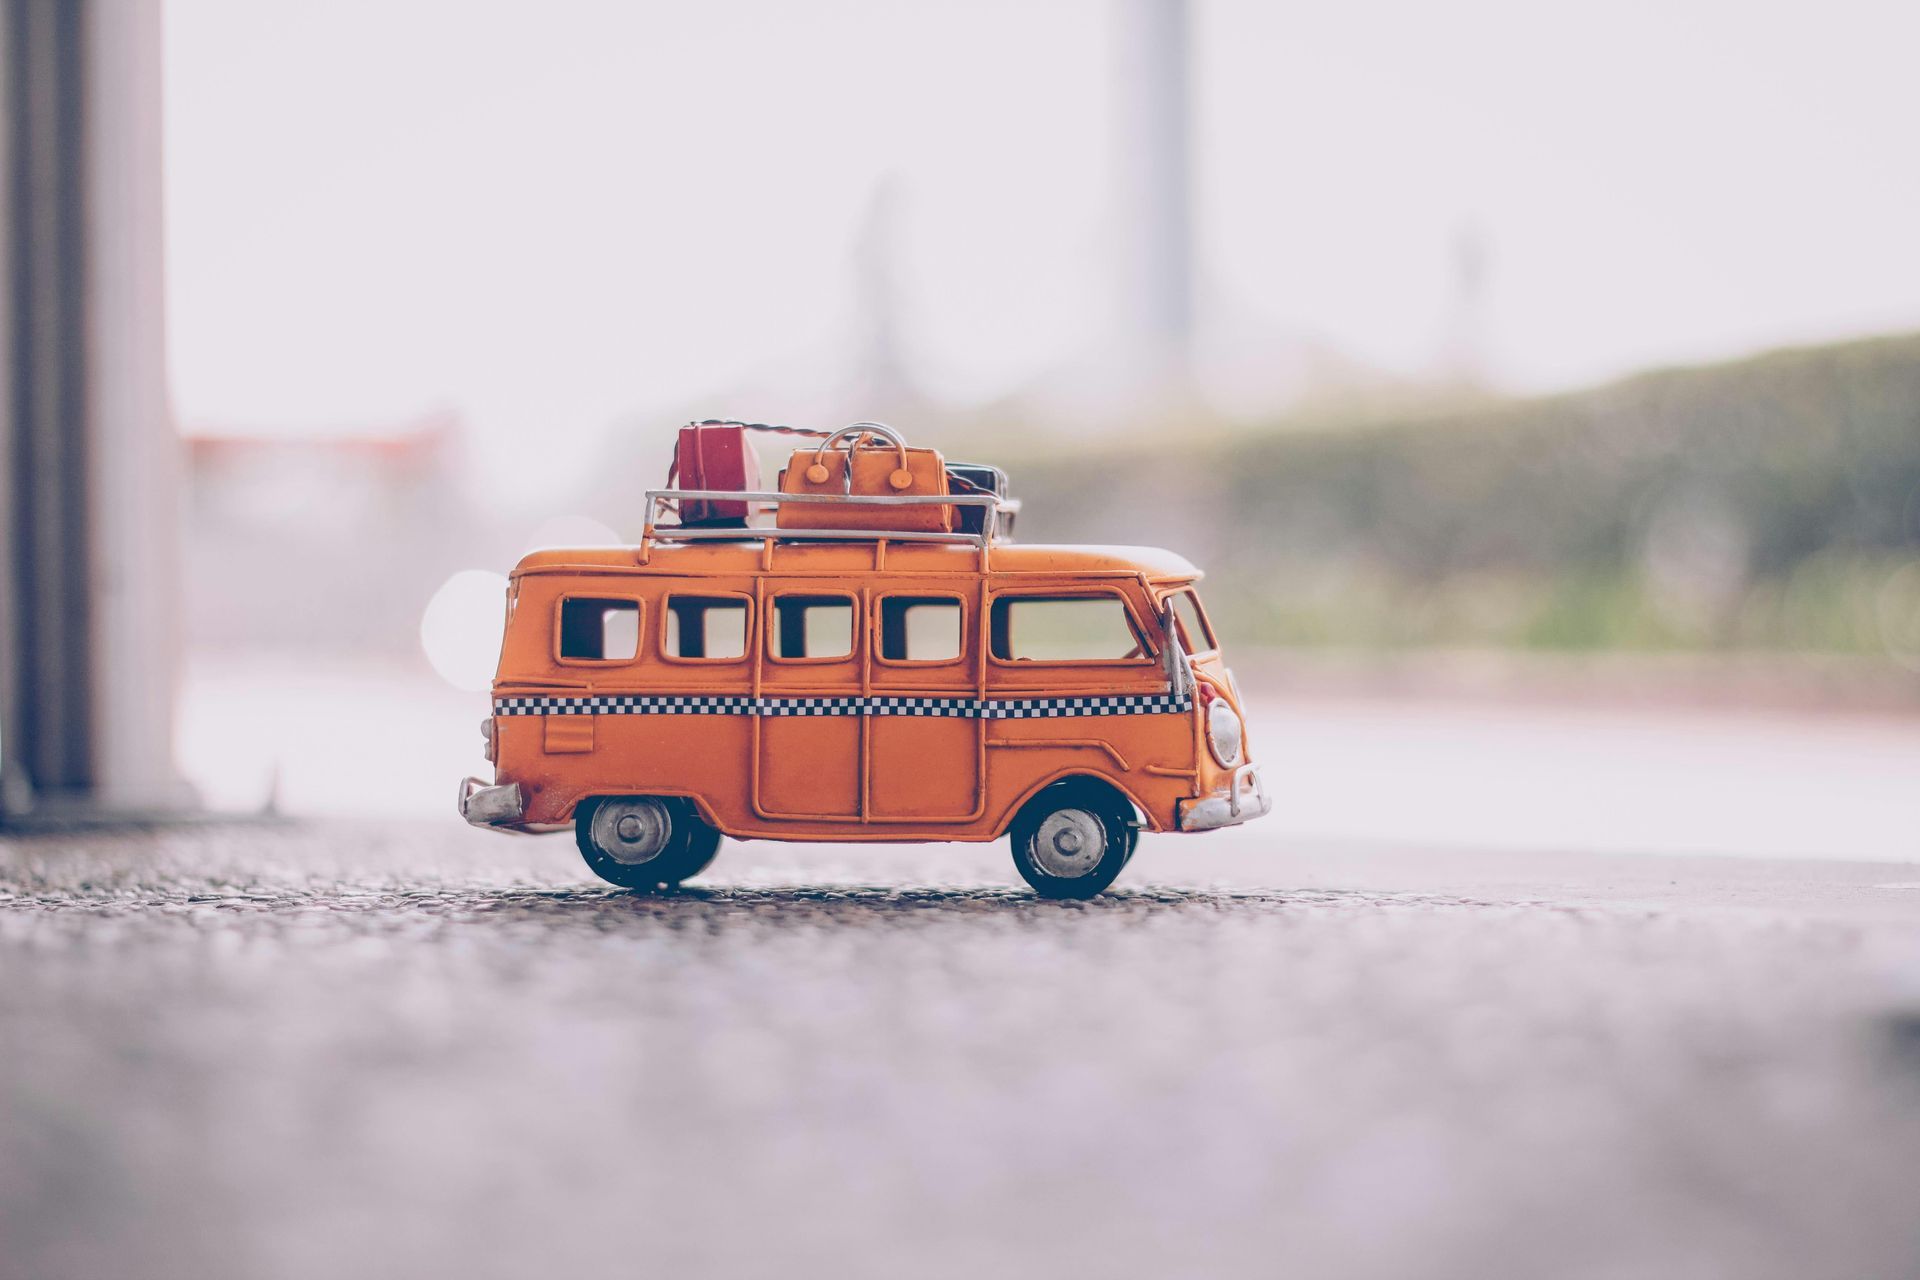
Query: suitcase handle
[673, 469]
[758, 426]
[901, 477]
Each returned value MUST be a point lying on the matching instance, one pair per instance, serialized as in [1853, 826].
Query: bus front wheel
[643, 842]
[1072, 839]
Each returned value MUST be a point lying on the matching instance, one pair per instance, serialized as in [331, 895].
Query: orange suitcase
[873, 462]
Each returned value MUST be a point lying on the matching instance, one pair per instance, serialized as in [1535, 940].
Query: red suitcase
[714, 455]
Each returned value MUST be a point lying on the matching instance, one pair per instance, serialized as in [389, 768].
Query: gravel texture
[417, 1050]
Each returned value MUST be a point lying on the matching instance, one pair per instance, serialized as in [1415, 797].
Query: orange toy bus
[825, 683]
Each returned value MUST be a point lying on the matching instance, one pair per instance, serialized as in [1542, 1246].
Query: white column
[134, 455]
[1154, 154]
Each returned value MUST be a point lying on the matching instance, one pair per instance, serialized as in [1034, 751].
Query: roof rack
[657, 500]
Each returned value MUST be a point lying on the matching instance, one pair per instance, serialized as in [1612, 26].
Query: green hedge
[1772, 503]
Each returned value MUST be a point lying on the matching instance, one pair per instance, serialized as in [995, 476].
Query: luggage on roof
[714, 455]
[981, 477]
[889, 486]
[866, 460]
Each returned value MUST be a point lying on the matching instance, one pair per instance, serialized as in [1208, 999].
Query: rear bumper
[486, 806]
[1245, 799]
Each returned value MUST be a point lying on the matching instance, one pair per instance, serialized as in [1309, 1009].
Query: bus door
[808, 731]
[691, 706]
[1079, 663]
[925, 738]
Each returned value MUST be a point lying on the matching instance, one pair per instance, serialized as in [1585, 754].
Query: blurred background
[1536, 383]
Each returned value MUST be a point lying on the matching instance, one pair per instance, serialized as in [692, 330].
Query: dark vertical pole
[13, 779]
[44, 595]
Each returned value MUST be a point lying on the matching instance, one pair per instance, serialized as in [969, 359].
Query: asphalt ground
[409, 1049]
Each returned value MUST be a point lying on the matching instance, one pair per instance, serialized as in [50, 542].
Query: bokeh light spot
[462, 626]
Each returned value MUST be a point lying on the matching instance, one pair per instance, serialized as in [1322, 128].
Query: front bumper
[486, 806]
[1245, 799]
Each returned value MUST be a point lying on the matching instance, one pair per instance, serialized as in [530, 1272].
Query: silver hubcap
[632, 832]
[1070, 843]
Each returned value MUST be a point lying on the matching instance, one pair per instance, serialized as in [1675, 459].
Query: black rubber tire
[691, 847]
[1115, 814]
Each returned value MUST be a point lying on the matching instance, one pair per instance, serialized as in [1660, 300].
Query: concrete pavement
[411, 1049]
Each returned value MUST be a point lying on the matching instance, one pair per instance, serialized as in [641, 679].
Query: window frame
[877, 646]
[1199, 607]
[617, 597]
[748, 636]
[771, 623]
[1151, 656]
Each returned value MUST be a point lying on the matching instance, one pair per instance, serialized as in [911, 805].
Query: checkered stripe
[726, 704]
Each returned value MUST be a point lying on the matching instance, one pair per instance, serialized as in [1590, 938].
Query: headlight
[490, 748]
[1223, 732]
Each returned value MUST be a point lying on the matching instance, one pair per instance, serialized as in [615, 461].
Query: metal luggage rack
[658, 500]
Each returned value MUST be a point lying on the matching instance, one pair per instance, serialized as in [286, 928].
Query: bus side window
[816, 627]
[1079, 628]
[597, 630]
[713, 628]
[921, 628]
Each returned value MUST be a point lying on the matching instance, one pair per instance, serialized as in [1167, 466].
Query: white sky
[551, 215]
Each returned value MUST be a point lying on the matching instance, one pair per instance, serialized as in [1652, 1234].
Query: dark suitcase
[974, 478]
[714, 455]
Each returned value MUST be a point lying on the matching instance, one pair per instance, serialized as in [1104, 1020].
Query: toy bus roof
[749, 556]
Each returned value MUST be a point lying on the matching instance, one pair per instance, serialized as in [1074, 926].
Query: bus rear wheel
[1072, 839]
[643, 842]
